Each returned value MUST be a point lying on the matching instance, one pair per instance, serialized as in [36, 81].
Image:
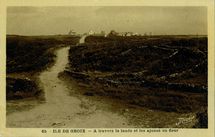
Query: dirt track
[63, 107]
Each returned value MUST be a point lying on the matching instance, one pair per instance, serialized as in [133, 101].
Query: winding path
[64, 108]
[61, 109]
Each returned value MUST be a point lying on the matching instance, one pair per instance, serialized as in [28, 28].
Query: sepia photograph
[107, 67]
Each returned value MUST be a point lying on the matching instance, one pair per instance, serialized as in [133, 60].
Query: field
[26, 57]
[165, 73]
[168, 73]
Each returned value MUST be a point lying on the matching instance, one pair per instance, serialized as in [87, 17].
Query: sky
[137, 19]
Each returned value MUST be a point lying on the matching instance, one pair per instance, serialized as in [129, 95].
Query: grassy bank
[162, 72]
[26, 57]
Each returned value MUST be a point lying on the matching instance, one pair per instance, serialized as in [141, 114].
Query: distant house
[102, 33]
[91, 32]
[129, 34]
[122, 33]
[136, 34]
[72, 32]
[113, 33]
